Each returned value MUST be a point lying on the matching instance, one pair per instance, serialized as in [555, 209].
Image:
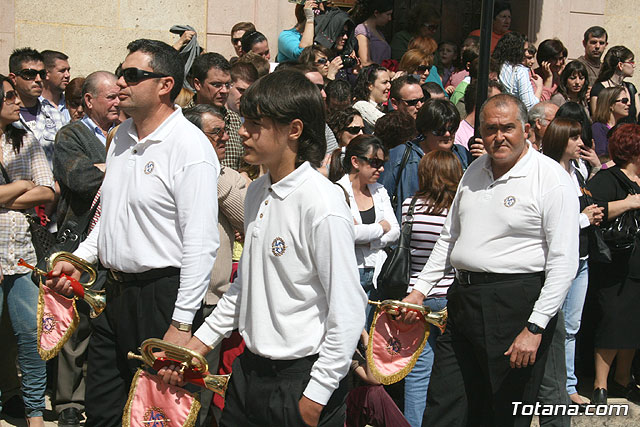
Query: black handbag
[43, 241]
[395, 273]
[620, 234]
[597, 247]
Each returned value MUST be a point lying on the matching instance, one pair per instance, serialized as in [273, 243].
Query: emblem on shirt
[393, 346]
[155, 417]
[148, 168]
[509, 201]
[278, 247]
[48, 323]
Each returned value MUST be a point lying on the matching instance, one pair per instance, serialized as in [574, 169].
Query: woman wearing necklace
[372, 46]
[618, 64]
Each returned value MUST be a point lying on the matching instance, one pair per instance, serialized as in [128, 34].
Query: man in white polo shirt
[512, 236]
[156, 234]
[297, 301]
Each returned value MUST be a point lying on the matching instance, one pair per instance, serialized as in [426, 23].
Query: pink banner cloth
[152, 403]
[395, 342]
[58, 314]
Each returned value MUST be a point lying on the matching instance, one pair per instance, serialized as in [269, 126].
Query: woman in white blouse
[356, 168]
[371, 90]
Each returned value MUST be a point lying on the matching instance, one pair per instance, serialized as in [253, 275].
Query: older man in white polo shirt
[157, 233]
[512, 236]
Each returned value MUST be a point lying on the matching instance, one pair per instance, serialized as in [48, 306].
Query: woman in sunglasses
[346, 125]
[26, 181]
[612, 107]
[317, 56]
[417, 63]
[356, 168]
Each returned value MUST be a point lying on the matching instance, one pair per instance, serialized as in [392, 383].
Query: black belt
[468, 278]
[156, 273]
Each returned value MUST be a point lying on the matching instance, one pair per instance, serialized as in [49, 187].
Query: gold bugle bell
[96, 299]
[436, 318]
[186, 357]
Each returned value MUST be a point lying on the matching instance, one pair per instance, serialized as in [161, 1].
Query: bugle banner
[394, 346]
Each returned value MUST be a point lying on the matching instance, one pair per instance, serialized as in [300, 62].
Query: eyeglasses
[10, 97]
[217, 132]
[374, 162]
[218, 85]
[321, 61]
[30, 74]
[354, 130]
[236, 40]
[413, 102]
[623, 100]
[136, 75]
[630, 62]
[421, 69]
[443, 131]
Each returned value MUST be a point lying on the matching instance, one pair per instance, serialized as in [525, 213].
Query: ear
[166, 85]
[12, 77]
[584, 44]
[394, 103]
[295, 129]
[87, 100]
[354, 163]
[197, 85]
[527, 128]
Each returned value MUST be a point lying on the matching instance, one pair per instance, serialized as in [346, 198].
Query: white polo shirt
[298, 289]
[160, 207]
[526, 221]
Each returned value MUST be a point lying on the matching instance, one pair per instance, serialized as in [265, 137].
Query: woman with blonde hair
[612, 106]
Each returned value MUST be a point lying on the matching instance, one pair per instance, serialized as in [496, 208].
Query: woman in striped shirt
[439, 173]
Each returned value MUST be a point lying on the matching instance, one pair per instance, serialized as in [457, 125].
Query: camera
[348, 62]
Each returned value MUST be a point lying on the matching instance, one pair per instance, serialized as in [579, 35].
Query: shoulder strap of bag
[403, 163]
[346, 195]
[623, 180]
[6, 176]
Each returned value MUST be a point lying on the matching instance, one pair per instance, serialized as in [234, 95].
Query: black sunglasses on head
[374, 162]
[30, 74]
[354, 130]
[136, 75]
[413, 102]
[443, 131]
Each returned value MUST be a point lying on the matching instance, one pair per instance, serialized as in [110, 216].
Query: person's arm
[36, 196]
[10, 192]
[393, 234]
[524, 87]
[44, 185]
[332, 241]
[618, 207]
[231, 193]
[183, 40]
[308, 32]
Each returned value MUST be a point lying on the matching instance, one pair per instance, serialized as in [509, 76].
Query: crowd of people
[310, 166]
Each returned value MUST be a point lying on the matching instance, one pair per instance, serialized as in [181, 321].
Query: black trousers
[135, 311]
[266, 392]
[472, 383]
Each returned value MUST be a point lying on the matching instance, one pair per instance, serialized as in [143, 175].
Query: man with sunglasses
[211, 74]
[42, 119]
[158, 200]
[437, 123]
[407, 96]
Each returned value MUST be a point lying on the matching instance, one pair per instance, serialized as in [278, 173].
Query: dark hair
[500, 6]
[49, 58]
[596, 32]
[203, 63]
[624, 144]
[395, 128]
[340, 120]
[436, 114]
[243, 26]
[510, 49]
[22, 55]
[400, 82]
[90, 84]
[260, 63]
[249, 39]
[569, 69]
[432, 88]
[367, 76]
[285, 96]
[439, 173]
[195, 113]
[164, 60]
[12, 133]
[614, 56]
[549, 49]
[556, 138]
[467, 55]
[359, 147]
[422, 13]
[363, 9]
[531, 49]
[308, 54]
[244, 71]
[73, 93]
[575, 111]
[339, 90]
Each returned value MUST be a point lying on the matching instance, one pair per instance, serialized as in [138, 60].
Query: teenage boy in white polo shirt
[297, 301]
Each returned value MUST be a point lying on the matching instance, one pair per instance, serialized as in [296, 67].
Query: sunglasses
[236, 40]
[421, 69]
[217, 132]
[136, 75]
[443, 131]
[321, 61]
[10, 97]
[354, 130]
[30, 74]
[630, 62]
[413, 102]
[623, 100]
[374, 162]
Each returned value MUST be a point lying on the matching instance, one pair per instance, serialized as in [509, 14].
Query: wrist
[181, 326]
[534, 329]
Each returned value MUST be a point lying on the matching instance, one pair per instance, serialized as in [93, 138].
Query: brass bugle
[436, 318]
[185, 357]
